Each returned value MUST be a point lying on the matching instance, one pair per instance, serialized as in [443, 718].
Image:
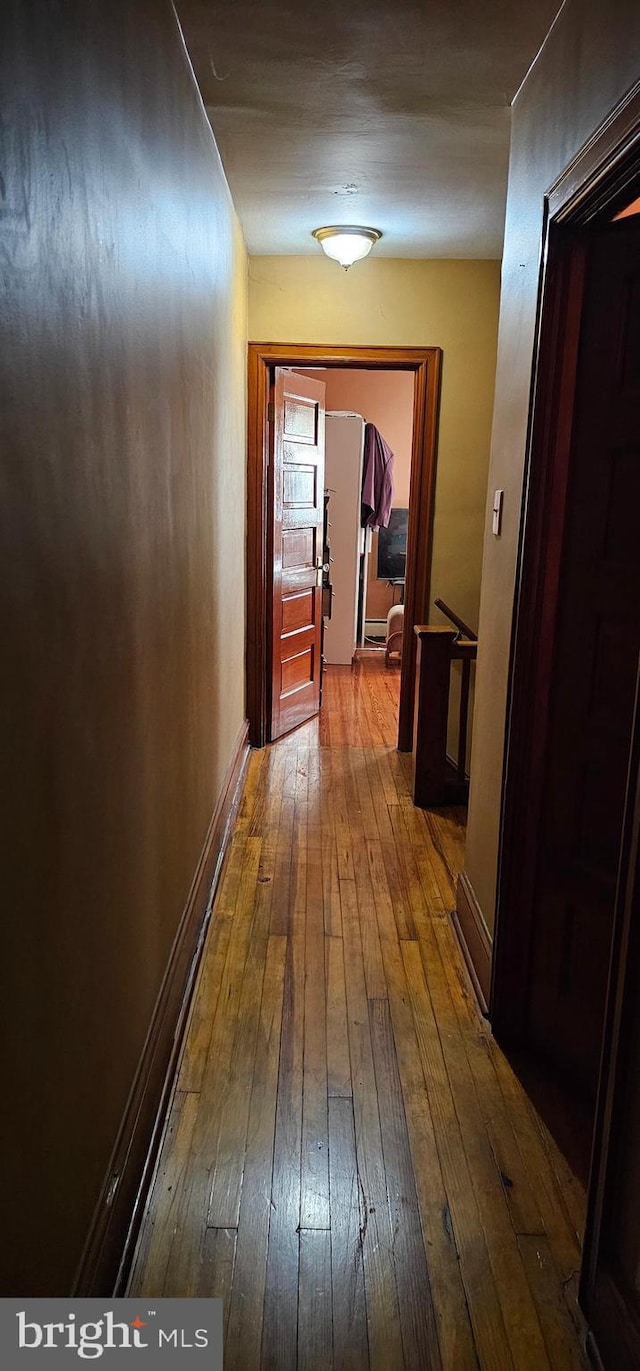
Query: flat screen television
[392, 547]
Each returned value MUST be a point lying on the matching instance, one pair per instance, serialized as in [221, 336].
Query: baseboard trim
[454, 767]
[109, 1248]
[474, 938]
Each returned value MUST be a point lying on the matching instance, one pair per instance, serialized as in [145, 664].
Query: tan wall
[382, 301]
[589, 61]
[226, 584]
[122, 394]
[383, 398]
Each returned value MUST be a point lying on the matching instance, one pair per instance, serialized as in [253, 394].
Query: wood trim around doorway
[594, 184]
[426, 364]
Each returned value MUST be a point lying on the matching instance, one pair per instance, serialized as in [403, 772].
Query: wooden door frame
[594, 184]
[426, 365]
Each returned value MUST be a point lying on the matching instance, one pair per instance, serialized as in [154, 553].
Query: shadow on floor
[568, 1118]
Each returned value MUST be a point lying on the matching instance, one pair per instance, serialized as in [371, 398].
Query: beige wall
[122, 392]
[383, 398]
[228, 477]
[589, 61]
[386, 302]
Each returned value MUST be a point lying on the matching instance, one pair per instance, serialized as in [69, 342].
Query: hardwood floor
[349, 1160]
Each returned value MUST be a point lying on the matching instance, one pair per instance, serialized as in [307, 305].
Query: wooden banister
[455, 619]
[435, 780]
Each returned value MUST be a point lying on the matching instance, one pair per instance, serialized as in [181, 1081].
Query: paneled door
[596, 656]
[296, 491]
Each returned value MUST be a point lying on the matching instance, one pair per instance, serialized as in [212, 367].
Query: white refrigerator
[344, 446]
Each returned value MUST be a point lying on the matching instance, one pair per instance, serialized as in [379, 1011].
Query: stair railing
[436, 781]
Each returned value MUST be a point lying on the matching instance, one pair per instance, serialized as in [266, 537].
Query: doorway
[425, 366]
[367, 570]
[576, 639]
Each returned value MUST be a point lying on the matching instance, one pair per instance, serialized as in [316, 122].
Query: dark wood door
[610, 1276]
[595, 661]
[296, 492]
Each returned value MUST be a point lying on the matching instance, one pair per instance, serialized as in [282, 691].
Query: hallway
[349, 1160]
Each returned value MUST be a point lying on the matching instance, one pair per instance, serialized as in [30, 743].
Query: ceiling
[393, 113]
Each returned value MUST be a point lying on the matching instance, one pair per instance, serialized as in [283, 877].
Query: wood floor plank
[233, 1086]
[330, 881]
[378, 708]
[385, 1343]
[244, 1335]
[203, 1011]
[162, 1211]
[563, 1349]
[227, 1031]
[388, 889]
[338, 1062]
[370, 783]
[480, 1286]
[315, 1320]
[447, 833]
[218, 1262]
[281, 1291]
[331, 884]
[427, 861]
[369, 933]
[203, 1008]
[518, 1307]
[382, 775]
[558, 1224]
[367, 818]
[408, 875]
[273, 778]
[571, 1188]
[455, 1335]
[316, 797]
[343, 839]
[417, 1318]
[253, 792]
[350, 1341]
[314, 1176]
[283, 873]
[301, 786]
[325, 737]
[380, 779]
[520, 1191]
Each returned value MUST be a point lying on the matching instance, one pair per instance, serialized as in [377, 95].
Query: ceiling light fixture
[346, 243]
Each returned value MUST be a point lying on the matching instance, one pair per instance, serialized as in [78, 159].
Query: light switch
[497, 512]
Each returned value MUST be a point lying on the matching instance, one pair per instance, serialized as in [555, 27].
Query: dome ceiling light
[346, 243]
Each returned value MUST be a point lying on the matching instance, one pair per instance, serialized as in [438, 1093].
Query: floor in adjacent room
[349, 1159]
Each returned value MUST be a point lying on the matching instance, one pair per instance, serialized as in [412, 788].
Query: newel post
[431, 714]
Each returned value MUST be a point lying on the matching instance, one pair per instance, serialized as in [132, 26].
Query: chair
[395, 629]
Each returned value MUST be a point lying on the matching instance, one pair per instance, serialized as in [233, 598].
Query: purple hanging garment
[377, 479]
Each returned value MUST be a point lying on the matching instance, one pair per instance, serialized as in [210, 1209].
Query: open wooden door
[595, 658]
[296, 509]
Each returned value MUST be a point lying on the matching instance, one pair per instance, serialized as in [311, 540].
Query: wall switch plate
[498, 496]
